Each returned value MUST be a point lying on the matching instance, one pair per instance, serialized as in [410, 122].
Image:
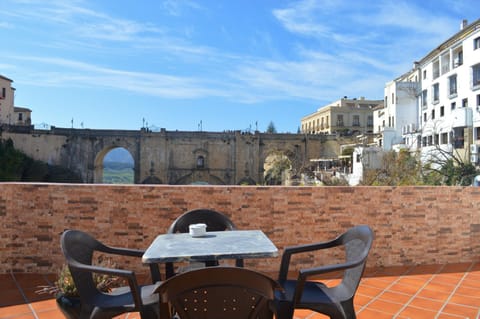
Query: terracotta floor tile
[467, 291]
[374, 314]
[438, 287]
[448, 280]
[6, 312]
[361, 300]
[414, 292]
[416, 313]
[377, 283]
[395, 297]
[467, 312]
[433, 294]
[385, 306]
[50, 314]
[44, 305]
[473, 300]
[413, 282]
[448, 316]
[427, 304]
[369, 291]
[406, 289]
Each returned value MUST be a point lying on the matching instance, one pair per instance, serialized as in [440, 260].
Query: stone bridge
[172, 157]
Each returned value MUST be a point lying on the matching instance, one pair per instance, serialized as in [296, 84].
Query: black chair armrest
[305, 273]
[289, 251]
[128, 274]
[154, 270]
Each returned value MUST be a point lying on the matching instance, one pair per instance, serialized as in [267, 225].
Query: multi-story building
[9, 114]
[345, 116]
[449, 103]
[435, 107]
[395, 122]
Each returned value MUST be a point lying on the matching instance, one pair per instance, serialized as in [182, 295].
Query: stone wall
[413, 225]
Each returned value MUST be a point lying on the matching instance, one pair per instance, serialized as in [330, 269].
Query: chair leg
[283, 310]
[348, 309]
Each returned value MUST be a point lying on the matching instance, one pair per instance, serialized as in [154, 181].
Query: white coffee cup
[197, 230]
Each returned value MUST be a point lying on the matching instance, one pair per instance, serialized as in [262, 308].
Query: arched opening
[118, 167]
[276, 168]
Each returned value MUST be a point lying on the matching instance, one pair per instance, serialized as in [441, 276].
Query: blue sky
[214, 65]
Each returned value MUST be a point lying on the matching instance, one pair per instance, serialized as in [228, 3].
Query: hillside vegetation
[15, 166]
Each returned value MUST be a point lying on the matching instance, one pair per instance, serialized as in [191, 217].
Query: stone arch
[285, 158]
[98, 163]
[204, 178]
[247, 181]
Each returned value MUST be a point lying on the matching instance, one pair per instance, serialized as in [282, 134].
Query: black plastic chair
[337, 301]
[214, 220]
[78, 248]
[218, 293]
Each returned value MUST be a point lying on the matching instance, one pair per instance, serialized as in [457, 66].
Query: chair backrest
[78, 248]
[217, 293]
[357, 241]
[214, 220]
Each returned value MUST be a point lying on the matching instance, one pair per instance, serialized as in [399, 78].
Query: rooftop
[448, 291]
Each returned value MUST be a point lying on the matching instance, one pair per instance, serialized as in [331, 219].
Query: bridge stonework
[172, 157]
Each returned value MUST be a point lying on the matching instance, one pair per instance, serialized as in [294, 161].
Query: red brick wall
[413, 225]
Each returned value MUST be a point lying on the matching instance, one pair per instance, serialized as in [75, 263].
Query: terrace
[424, 263]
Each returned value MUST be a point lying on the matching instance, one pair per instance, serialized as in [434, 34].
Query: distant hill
[119, 155]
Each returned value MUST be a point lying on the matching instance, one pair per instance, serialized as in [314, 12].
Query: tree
[271, 128]
[397, 169]
[450, 169]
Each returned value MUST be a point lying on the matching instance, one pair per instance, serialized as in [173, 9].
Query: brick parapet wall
[412, 225]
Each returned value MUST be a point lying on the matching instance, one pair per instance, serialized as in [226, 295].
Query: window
[436, 93]
[424, 74]
[433, 114]
[436, 139]
[476, 43]
[477, 133]
[4, 93]
[478, 100]
[476, 76]
[436, 69]
[339, 119]
[452, 85]
[327, 124]
[393, 98]
[453, 105]
[424, 141]
[356, 120]
[20, 116]
[424, 97]
[425, 117]
[430, 140]
[370, 121]
[442, 111]
[465, 103]
[457, 57]
[444, 138]
[445, 63]
[200, 162]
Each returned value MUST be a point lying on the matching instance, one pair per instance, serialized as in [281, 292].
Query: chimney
[463, 24]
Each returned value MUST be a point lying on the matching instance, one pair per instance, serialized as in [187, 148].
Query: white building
[445, 112]
[396, 124]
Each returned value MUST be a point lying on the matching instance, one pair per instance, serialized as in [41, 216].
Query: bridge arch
[99, 160]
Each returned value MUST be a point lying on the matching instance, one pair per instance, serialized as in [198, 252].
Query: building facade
[435, 107]
[345, 116]
[9, 114]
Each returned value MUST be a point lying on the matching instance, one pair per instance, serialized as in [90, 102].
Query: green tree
[271, 128]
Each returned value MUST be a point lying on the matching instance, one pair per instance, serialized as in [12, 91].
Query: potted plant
[66, 294]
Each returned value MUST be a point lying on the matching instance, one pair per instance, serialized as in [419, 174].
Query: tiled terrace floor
[437, 291]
